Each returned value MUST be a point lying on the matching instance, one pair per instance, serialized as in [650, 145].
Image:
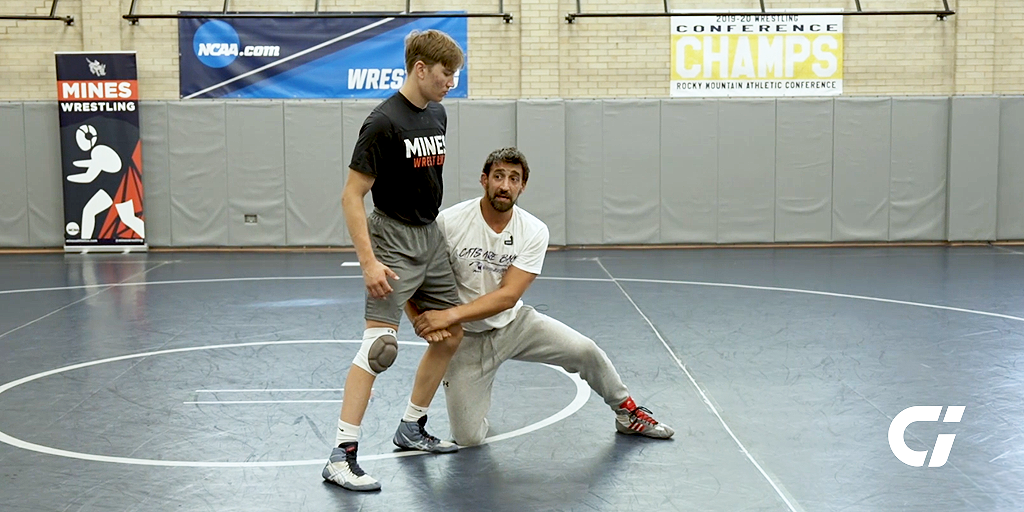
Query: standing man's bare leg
[359, 382]
[433, 366]
[376, 354]
[412, 434]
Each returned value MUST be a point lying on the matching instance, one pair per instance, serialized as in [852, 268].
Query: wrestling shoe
[342, 469]
[412, 435]
[633, 420]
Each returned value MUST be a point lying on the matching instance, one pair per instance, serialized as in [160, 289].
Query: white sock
[414, 412]
[346, 433]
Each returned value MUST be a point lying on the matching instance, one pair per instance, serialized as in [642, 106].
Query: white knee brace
[378, 351]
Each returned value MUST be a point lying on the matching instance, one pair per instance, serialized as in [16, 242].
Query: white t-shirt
[480, 256]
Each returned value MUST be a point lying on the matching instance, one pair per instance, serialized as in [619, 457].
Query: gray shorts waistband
[379, 216]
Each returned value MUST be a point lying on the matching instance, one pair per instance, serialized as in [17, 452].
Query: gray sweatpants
[532, 337]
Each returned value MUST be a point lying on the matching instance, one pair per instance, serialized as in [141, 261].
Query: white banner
[748, 54]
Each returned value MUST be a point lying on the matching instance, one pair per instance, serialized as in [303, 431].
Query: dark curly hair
[509, 155]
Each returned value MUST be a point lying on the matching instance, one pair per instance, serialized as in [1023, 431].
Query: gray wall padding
[352, 116]
[630, 153]
[451, 176]
[255, 158]
[44, 180]
[13, 175]
[746, 171]
[156, 173]
[199, 175]
[689, 171]
[1010, 221]
[803, 170]
[605, 171]
[584, 171]
[973, 168]
[920, 129]
[314, 172]
[860, 177]
[483, 127]
[540, 135]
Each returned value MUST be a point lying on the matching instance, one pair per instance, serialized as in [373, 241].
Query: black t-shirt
[403, 148]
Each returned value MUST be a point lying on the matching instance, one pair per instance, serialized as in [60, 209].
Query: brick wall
[539, 55]
[27, 67]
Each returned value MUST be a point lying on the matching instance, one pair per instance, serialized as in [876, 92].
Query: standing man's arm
[375, 273]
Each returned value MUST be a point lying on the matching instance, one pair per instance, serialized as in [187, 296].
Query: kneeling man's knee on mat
[467, 438]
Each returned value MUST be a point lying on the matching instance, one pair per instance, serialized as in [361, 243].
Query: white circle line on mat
[582, 395]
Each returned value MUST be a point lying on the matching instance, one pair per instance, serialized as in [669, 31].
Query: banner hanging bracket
[68, 20]
[940, 14]
[133, 17]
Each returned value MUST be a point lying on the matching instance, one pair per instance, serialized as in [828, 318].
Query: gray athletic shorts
[419, 255]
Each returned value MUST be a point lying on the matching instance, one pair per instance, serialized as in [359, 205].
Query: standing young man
[497, 250]
[398, 158]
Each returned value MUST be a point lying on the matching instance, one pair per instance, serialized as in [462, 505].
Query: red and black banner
[101, 152]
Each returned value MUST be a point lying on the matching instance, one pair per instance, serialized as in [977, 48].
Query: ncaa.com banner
[302, 57]
[101, 153]
[757, 55]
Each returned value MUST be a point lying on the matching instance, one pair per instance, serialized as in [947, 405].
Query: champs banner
[757, 55]
[101, 153]
[302, 57]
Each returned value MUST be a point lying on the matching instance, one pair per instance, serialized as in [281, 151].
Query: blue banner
[302, 57]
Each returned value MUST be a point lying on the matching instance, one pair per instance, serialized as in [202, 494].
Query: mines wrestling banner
[302, 57]
[101, 153]
[757, 55]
